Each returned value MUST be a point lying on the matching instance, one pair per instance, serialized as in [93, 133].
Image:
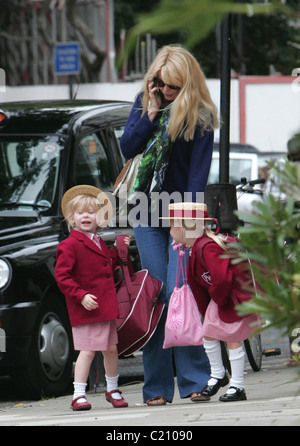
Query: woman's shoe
[211, 390]
[238, 395]
[75, 405]
[198, 397]
[156, 401]
[114, 401]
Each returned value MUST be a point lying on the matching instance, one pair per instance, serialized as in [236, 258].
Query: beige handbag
[125, 180]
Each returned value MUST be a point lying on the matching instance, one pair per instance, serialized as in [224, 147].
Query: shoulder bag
[125, 180]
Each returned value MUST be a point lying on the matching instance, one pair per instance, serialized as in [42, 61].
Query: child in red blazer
[84, 274]
[218, 286]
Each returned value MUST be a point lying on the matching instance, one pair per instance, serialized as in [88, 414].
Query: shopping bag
[183, 324]
[139, 307]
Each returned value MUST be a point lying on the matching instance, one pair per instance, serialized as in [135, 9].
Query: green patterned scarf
[154, 163]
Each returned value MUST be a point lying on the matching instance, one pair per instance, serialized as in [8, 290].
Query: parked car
[246, 161]
[243, 162]
[45, 148]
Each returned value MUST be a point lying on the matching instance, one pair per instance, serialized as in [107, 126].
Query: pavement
[273, 399]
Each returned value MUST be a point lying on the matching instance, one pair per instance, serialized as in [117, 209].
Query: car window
[240, 165]
[119, 130]
[240, 168]
[92, 164]
[29, 168]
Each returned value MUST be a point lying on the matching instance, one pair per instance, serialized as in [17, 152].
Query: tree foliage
[263, 34]
[272, 244]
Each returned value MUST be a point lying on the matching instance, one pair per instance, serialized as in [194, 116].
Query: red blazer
[82, 268]
[213, 276]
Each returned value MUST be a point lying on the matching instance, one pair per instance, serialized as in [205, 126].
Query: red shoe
[80, 406]
[114, 401]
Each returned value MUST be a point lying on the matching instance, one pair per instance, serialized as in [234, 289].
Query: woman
[172, 123]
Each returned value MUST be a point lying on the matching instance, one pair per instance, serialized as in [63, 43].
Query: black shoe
[238, 395]
[212, 390]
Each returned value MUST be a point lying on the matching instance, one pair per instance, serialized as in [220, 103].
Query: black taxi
[46, 148]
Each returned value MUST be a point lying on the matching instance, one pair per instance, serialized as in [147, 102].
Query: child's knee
[111, 350]
[85, 356]
[88, 355]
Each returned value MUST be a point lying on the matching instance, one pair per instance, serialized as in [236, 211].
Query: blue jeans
[192, 365]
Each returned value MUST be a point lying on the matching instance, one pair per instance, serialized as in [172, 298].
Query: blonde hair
[193, 106]
[82, 201]
[218, 238]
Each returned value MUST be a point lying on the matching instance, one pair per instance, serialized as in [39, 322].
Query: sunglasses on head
[160, 84]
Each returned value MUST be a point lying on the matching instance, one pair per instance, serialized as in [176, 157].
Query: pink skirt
[214, 327]
[96, 336]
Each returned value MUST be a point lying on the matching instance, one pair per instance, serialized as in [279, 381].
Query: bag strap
[122, 249]
[122, 175]
[178, 268]
[181, 265]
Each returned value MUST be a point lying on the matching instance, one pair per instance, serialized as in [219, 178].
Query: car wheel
[49, 367]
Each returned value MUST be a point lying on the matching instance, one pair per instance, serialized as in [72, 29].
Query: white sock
[237, 363]
[214, 353]
[112, 384]
[79, 390]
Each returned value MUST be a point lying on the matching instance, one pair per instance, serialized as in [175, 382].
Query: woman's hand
[89, 302]
[154, 100]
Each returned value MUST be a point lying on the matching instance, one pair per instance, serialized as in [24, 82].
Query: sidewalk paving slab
[273, 400]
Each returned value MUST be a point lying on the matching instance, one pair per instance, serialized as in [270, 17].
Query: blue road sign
[66, 58]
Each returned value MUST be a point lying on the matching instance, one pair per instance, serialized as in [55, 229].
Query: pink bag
[183, 325]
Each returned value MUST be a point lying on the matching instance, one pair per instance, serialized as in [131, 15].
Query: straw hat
[187, 211]
[85, 189]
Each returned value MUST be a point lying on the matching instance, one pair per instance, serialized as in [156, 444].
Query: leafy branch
[272, 244]
[197, 18]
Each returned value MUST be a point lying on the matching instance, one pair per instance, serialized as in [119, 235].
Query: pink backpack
[183, 325]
